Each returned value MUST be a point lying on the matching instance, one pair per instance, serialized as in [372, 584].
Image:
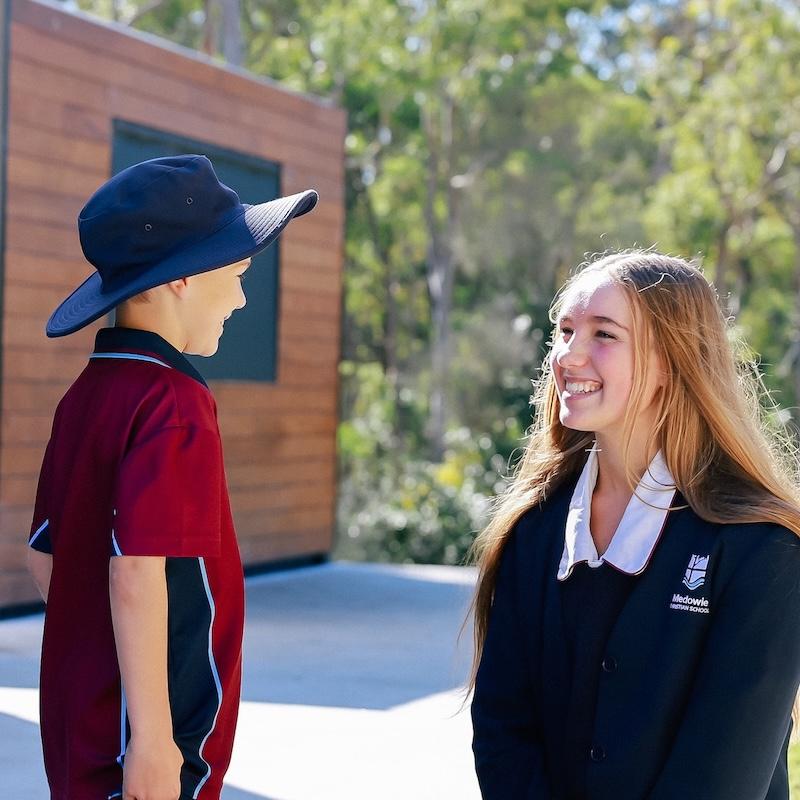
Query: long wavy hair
[730, 457]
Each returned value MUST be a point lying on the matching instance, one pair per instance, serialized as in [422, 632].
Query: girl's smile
[578, 397]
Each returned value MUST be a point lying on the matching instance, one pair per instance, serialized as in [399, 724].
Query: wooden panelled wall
[69, 77]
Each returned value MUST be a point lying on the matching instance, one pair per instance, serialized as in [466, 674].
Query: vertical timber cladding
[5, 7]
[78, 88]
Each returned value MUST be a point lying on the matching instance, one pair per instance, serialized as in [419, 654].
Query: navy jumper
[591, 601]
[696, 699]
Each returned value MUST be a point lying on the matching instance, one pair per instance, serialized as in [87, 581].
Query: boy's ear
[179, 286]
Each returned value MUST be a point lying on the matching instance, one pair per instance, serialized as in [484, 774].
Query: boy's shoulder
[186, 402]
[138, 394]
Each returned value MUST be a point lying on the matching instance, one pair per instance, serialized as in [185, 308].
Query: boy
[132, 543]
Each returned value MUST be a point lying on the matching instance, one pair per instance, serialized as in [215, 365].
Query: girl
[637, 615]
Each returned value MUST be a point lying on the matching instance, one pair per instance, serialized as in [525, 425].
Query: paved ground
[350, 689]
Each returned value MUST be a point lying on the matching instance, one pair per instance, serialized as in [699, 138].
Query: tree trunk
[390, 324]
[209, 28]
[721, 274]
[795, 333]
[232, 40]
[440, 262]
[390, 328]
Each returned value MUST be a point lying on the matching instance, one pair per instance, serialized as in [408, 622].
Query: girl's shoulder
[761, 558]
[748, 538]
[543, 523]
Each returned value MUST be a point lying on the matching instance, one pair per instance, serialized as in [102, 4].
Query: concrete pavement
[350, 690]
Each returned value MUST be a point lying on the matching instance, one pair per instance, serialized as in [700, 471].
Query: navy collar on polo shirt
[114, 340]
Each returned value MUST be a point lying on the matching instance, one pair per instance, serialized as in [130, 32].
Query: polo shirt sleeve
[39, 535]
[167, 500]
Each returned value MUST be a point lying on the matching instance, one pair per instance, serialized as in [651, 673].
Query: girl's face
[593, 359]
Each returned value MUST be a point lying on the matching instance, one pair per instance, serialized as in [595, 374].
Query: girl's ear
[660, 370]
[663, 377]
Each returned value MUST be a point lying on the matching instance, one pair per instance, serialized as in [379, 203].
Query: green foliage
[410, 511]
[794, 770]
[397, 507]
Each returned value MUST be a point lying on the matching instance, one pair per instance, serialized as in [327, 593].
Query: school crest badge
[695, 575]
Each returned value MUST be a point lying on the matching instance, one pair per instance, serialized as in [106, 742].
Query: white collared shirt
[638, 531]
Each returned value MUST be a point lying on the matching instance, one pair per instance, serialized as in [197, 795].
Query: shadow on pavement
[355, 636]
[232, 793]
[21, 745]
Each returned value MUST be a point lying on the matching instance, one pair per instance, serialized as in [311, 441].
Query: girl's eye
[565, 329]
[604, 334]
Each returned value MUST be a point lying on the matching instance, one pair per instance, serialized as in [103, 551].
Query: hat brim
[255, 229]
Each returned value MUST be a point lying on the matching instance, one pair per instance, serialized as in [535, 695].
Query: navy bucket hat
[164, 219]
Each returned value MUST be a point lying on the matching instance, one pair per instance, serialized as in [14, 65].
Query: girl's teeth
[582, 388]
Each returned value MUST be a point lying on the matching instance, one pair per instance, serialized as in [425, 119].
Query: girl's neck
[611, 474]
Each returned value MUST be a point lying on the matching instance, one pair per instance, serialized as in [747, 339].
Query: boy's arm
[138, 593]
[40, 566]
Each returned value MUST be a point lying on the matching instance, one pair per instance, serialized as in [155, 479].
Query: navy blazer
[698, 705]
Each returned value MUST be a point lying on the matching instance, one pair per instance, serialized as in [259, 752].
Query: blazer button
[597, 753]
[609, 664]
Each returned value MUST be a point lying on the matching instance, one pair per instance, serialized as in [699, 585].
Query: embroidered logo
[685, 602]
[695, 575]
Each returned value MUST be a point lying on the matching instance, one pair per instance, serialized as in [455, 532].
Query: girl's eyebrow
[597, 318]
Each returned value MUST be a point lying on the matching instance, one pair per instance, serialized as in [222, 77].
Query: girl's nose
[571, 353]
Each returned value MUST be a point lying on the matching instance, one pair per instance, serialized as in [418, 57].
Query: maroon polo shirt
[134, 467]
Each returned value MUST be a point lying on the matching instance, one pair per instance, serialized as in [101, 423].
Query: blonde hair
[730, 458]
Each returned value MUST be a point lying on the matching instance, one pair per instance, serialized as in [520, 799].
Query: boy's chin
[205, 350]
